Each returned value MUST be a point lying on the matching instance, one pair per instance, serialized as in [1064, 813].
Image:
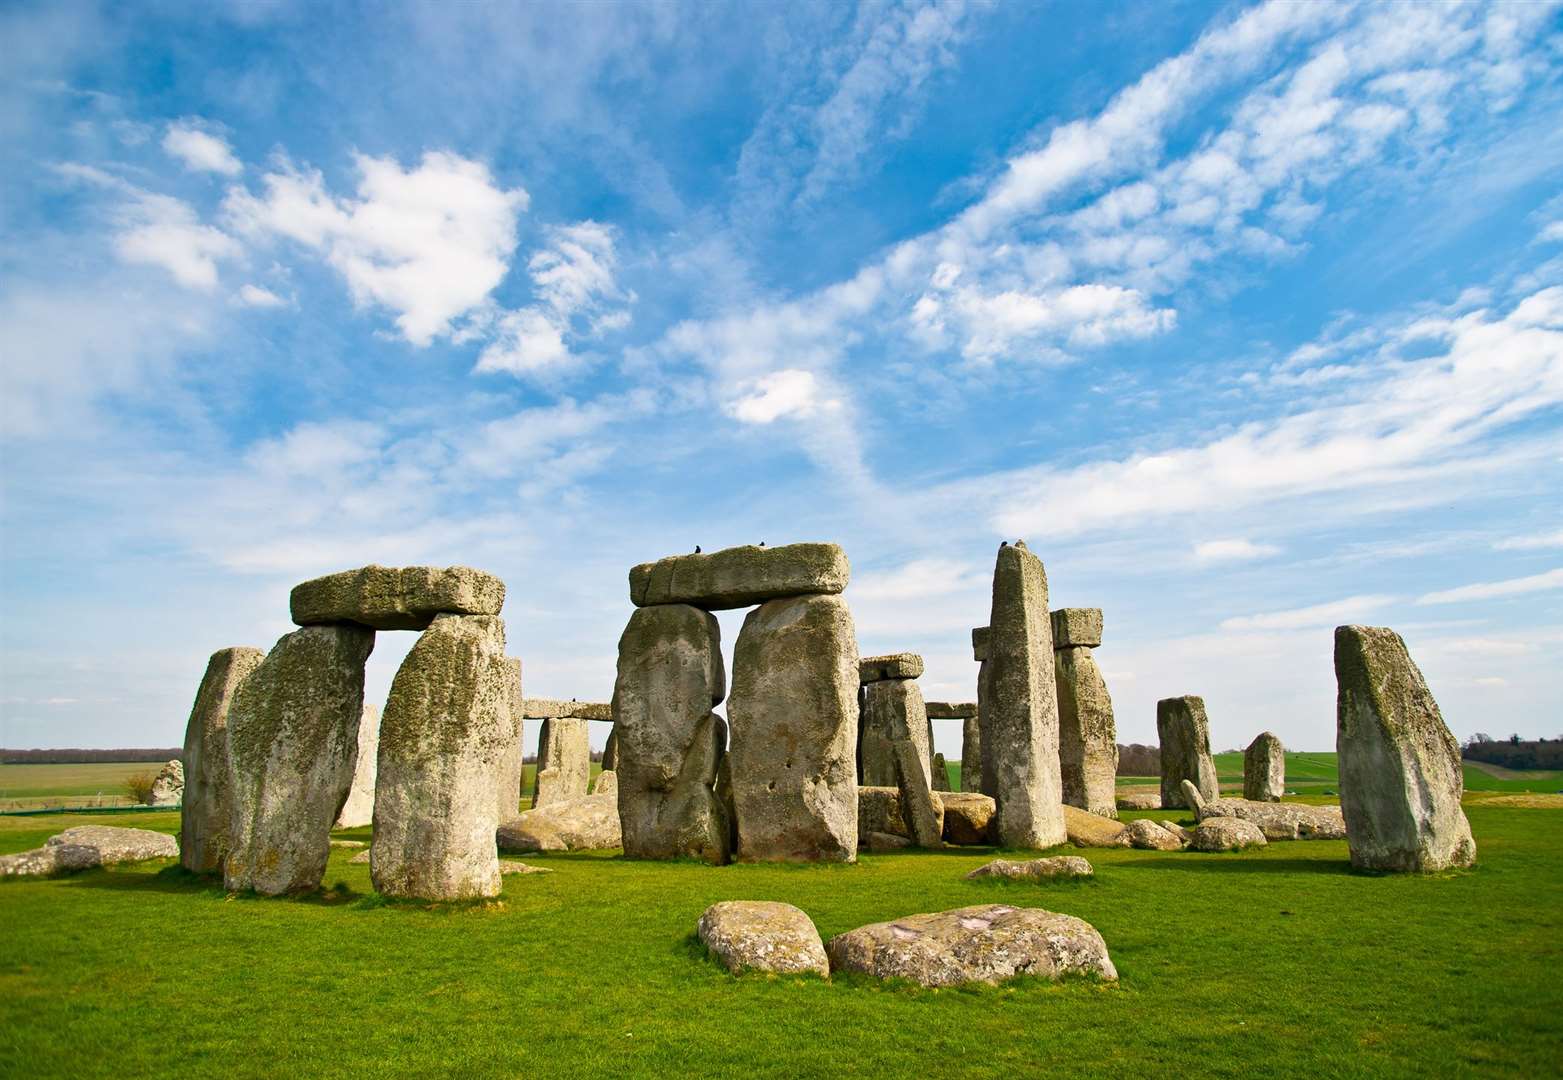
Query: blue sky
[1249, 319]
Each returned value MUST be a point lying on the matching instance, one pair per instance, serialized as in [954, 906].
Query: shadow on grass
[176, 879]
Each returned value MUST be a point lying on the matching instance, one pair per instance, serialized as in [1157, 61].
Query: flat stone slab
[512, 866]
[1227, 834]
[762, 935]
[1140, 800]
[1077, 626]
[396, 597]
[967, 815]
[1059, 866]
[880, 842]
[87, 846]
[987, 943]
[903, 665]
[1092, 830]
[740, 576]
[586, 824]
[536, 708]
[951, 710]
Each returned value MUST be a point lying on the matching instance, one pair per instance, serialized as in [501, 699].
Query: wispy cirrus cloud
[1491, 590]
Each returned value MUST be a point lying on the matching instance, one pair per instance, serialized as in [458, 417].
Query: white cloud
[789, 392]
[257, 297]
[1552, 232]
[200, 151]
[1238, 550]
[1552, 579]
[164, 232]
[1331, 614]
[1531, 543]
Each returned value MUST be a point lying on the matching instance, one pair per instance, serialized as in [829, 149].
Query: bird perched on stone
[697, 549]
[1003, 544]
[762, 543]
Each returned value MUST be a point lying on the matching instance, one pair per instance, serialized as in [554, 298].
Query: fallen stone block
[87, 846]
[762, 935]
[1058, 866]
[1150, 836]
[967, 816]
[1092, 830]
[1226, 834]
[586, 824]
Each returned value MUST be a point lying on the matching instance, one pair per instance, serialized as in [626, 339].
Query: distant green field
[100, 782]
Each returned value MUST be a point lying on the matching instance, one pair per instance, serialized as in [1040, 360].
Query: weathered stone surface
[741, 576]
[890, 705]
[361, 859]
[921, 808]
[1278, 821]
[1077, 626]
[1226, 834]
[1264, 769]
[536, 708]
[881, 842]
[207, 807]
[1185, 835]
[1184, 731]
[564, 761]
[903, 665]
[358, 810]
[971, 754]
[967, 816]
[879, 810]
[1087, 736]
[508, 867]
[168, 787]
[447, 732]
[670, 743]
[610, 751]
[1086, 829]
[793, 713]
[981, 636]
[87, 846]
[590, 823]
[951, 710]
[1058, 866]
[1020, 711]
[941, 773]
[607, 783]
[762, 935]
[353, 845]
[1400, 777]
[986, 943]
[1150, 836]
[507, 790]
[292, 748]
[396, 597]
[1140, 800]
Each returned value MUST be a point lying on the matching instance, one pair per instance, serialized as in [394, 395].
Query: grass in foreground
[1275, 963]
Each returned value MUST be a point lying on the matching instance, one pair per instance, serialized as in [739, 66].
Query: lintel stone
[396, 598]
[951, 710]
[552, 709]
[741, 576]
[903, 665]
[1077, 626]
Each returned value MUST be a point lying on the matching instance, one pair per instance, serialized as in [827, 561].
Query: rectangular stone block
[951, 710]
[903, 665]
[741, 576]
[979, 643]
[1077, 626]
[553, 709]
[1184, 732]
[208, 795]
[396, 598]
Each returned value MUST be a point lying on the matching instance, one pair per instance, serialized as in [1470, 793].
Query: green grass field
[26, 786]
[1272, 963]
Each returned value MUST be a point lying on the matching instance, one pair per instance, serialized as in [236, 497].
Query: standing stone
[982, 770]
[1184, 731]
[206, 813]
[941, 773]
[168, 787]
[971, 754]
[610, 750]
[1087, 736]
[358, 810]
[669, 743]
[794, 722]
[292, 747]
[891, 705]
[920, 807]
[447, 730]
[1264, 769]
[1400, 778]
[1020, 711]
[564, 761]
[508, 790]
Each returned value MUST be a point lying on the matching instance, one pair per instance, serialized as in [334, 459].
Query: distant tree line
[1137, 759]
[77, 757]
[1515, 752]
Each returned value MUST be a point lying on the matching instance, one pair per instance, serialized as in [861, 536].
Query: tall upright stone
[669, 744]
[564, 761]
[941, 773]
[891, 705]
[205, 816]
[971, 754]
[1400, 775]
[358, 810]
[1087, 736]
[508, 790]
[793, 712]
[447, 731]
[983, 779]
[610, 750]
[1184, 731]
[292, 747]
[1264, 769]
[1020, 707]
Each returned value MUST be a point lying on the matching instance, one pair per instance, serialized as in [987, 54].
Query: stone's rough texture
[1020, 710]
[971, 754]
[207, 808]
[670, 743]
[1226, 834]
[761, 935]
[606, 783]
[1184, 731]
[564, 761]
[951, 710]
[1086, 829]
[87, 846]
[586, 824]
[941, 773]
[447, 733]
[901, 665]
[1087, 736]
[1400, 778]
[1185, 835]
[889, 706]
[967, 816]
[396, 598]
[1278, 821]
[507, 791]
[292, 748]
[350, 844]
[358, 810]
[793, 713]
[1264, 769]
[556, 709]
[168, 788]
[922, 810]
[980, 638]
[879, 810]
[1150, 836]
[511, 866]
[988, 943]
[881, 842]
[1059, 866]
[361, 859]
[741, 576]
[1140, 800]
[610, 751]
[1077, 626]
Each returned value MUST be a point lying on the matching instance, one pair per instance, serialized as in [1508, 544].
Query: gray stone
[564, 761]
[1020, 711]
[971, 754]
[879, 810]
[1278, 821]
[447, 733]
[1226, 834]
[1140, 800]
[168, 787]
[1058, 866]
[981, 636]
[741, 576]
[558, 709]
[1077, 626]
[358, 810]
[610, 750]
[1184, 731]
[88, 846]
[951, 710]
[762, 935]
[396, 598]
[513, 764]
[1087, 736]
[967, 816]
[606, 783]
[793, 713]
[1085, 829]
[670, 744]
[903, 665]
[987, 943]
[292, 748]
[353, 845]
[922, 810]
[590, 823]
[1264, 769]
[941, 773]
[1400, 776]
[890, 705]
[508, 867]
[206, 812]
[882, 842]
[361, 859]
[1150, 836]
